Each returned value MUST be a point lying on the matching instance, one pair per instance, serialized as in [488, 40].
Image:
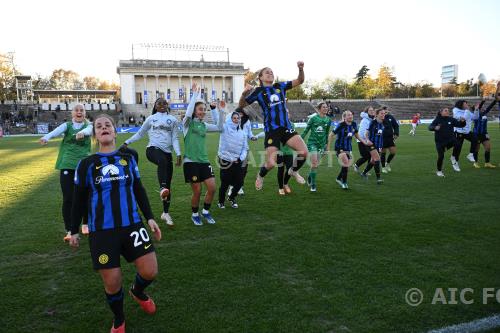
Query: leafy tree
[385, 82]
[91, 82]
[64, 79]
[362, 73]
[7, 78]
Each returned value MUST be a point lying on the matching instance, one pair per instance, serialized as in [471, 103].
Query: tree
[488, 89]
[40, 83]
[385, 81]
[426, 90]
[362, 73]
[7, 78]
[297, 93]
[64, 79]
[91, 82]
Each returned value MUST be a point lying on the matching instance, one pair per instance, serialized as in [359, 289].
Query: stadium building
[144, 80]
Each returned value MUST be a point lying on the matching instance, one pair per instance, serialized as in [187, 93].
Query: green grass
[331, 261]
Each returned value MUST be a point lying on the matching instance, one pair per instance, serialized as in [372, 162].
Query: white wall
[238, 86]
[127, 85]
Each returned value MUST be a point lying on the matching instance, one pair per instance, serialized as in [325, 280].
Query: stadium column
[180, 85]
[144, 97]
[224, 97]
[190, 85]
[213, 85]
[156, 86]
[168, 85]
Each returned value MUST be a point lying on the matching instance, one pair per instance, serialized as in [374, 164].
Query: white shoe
[166, 217]
[456, 167]
[470, 157]
[221, 206]
[297, 176]
[241, 192]
[388, 167]
[440, 174]
[356, 168]
[384, 170]
[230, 191]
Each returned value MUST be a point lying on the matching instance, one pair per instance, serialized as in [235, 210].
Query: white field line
[478, 325]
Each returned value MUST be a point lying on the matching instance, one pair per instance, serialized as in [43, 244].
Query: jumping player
[277, 127]
[108, 186]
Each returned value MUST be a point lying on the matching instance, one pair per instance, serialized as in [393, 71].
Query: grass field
[331, 261]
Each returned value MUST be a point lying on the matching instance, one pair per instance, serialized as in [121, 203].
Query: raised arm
[190, 109]
[300, 79]
[142, 131]
[218, 118]
[246, 92]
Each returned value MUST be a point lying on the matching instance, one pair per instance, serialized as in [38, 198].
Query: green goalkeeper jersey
[320, 128]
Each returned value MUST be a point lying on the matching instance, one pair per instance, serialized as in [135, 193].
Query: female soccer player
[443, 126]
[108, 186]
[246, 126]
[391, 133]
[461, 110]
[162, 129]
[415, 120]
[344, 131]
[277, 126]
[319, 125]
[233, 148]
[197, 168]
[374, 134]
[481, 131]
[366, 119]
[75, 145]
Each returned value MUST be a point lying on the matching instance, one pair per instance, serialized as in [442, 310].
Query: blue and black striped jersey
[272, 100]
[375, 134]
[481, 124]
[110, 182]
[344, 133]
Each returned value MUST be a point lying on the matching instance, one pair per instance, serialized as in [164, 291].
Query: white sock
[195, 214]
[204, 211]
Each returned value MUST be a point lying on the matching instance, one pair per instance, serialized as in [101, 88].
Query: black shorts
[278, 136]
[131, 242]
[389, 142]
[482, 137]
[364, 150]
[195, 172]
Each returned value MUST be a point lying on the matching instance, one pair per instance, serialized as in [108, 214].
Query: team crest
[123, 162]
[194, 178]
[278, 91]
[103, 259]
[269, 141]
